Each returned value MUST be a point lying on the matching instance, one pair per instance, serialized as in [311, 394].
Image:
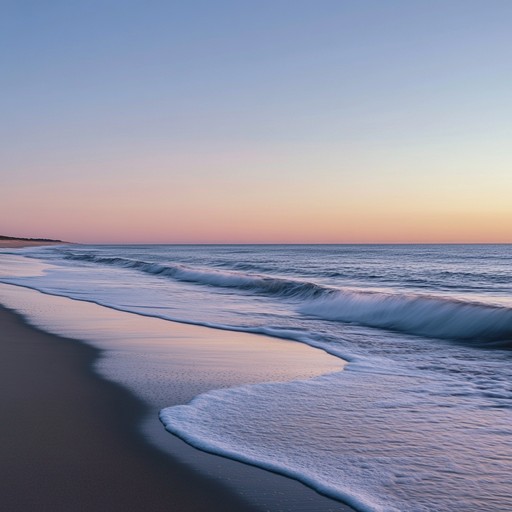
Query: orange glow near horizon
[277, 199]
[166, 215]
[272, 194]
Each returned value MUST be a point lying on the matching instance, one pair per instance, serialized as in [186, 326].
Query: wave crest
[223, 279]
[433, 317]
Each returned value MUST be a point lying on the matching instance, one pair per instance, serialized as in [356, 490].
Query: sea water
[419, 420]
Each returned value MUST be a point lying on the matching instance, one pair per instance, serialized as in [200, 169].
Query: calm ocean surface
[419, 420]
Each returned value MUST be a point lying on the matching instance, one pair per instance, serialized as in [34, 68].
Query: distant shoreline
[12, 242]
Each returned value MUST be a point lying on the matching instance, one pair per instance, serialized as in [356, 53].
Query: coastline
[70, 440]
[18, 244]
[179, 476]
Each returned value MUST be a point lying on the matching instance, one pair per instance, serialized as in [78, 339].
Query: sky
[256, 121]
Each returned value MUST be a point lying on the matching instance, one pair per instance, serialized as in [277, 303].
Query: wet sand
[69, 438]
[75, 440]
[76, 437]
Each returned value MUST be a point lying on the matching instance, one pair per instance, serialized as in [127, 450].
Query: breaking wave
[424, 315]
[433, 317]
[223, 279]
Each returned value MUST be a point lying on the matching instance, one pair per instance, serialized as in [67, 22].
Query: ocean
[420, 419]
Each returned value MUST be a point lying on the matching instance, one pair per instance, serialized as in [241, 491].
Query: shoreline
[70, 437]
[208, 478]
[19, 244]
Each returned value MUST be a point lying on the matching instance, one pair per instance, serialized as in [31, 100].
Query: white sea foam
[382, 443]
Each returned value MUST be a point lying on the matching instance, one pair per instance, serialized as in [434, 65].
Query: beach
[288, 378]
[65, 441]
[66, 445]
[256, 256]
[75, 440]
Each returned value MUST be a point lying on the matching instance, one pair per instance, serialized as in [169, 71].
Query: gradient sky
[256, 121]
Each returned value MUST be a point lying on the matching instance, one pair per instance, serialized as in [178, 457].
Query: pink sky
[192, 211]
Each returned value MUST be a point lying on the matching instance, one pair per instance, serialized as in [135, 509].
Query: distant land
[13, 242]
[3, 237]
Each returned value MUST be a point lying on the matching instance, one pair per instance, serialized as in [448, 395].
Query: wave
[237, 439]
[223, 279]
[433, 317]
[423, 315]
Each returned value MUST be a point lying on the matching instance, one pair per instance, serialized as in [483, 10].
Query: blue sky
[286, 99]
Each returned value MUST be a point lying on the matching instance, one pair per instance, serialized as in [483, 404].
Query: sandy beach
[65, 444]
[74, 440]
[238, 383]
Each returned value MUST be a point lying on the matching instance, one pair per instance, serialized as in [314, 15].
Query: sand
[73, 440]
[65, 442]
